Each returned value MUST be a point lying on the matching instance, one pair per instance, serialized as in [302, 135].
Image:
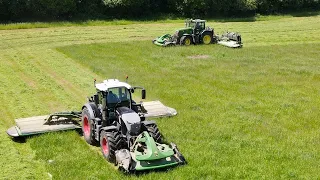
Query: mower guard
[165, 40]
[61, 121]
[146, 154]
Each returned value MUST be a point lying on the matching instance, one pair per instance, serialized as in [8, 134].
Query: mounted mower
[114, 120]
[196, 32]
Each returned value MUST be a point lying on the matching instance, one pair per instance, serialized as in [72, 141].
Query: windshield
[190, 24]
[118, 95]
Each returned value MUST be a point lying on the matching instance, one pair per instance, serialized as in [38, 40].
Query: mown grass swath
[243, 113]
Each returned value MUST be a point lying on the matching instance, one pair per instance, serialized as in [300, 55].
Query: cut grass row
[243, 113]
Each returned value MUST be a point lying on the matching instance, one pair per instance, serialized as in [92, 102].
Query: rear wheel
[185, 40]
[87, 127]
[155, 133]
[109, 143]
[206, 38]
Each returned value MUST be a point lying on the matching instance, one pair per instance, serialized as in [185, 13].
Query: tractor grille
[135, 128]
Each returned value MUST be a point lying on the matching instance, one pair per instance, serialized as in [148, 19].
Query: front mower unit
[146, 154]
[165, 40]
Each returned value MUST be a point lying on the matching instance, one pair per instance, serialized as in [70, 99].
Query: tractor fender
[205, 31]
[186, 35]
[189, 35]
[109, 128]
[92, 108]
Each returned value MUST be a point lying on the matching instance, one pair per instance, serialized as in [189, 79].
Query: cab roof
[195, 20]
[111, 83]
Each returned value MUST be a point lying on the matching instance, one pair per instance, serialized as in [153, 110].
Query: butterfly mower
[114, 120]
[196, 32]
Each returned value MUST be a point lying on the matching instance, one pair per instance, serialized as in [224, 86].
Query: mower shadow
[145, 172]
[19, 139]
[23, 139]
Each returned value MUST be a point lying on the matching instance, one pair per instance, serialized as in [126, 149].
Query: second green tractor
[196, 32]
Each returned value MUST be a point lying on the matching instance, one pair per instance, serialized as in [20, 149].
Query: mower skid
[231, 44]
[158, 44]
[13, 132]
[156, 164]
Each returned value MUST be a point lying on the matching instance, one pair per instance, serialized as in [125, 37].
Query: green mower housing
[147, 154]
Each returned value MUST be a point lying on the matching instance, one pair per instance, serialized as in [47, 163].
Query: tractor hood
[131, 119]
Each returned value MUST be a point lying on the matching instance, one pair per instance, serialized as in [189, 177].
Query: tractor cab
[118, 96]
[197, 25]
[115, 97]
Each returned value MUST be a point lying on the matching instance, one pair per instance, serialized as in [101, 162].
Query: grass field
[250, 113]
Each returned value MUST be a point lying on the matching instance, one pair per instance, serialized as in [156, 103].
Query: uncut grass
[243, 113]
[112, 22]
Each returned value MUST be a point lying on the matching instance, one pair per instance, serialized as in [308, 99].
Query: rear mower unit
[196, 32]
[114, 120]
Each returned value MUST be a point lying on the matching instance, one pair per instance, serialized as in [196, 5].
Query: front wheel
[206, 38]
[185, 40]
[109, 143]
[155, 133]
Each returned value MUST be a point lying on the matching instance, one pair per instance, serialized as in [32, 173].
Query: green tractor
[196, 32]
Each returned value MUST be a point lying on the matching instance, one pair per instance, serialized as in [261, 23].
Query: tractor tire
[206, 38]
[109, 143]
[185, 40]
[155, 133]
[87, 127]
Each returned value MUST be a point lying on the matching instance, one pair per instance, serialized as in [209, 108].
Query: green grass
[257, 17]
[242, 113]
[250, 113]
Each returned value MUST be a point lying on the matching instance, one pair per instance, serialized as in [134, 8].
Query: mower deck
[232, 44]
[37, 125]
[157, 109]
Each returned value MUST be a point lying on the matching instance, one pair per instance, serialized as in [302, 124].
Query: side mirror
[143, 93]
